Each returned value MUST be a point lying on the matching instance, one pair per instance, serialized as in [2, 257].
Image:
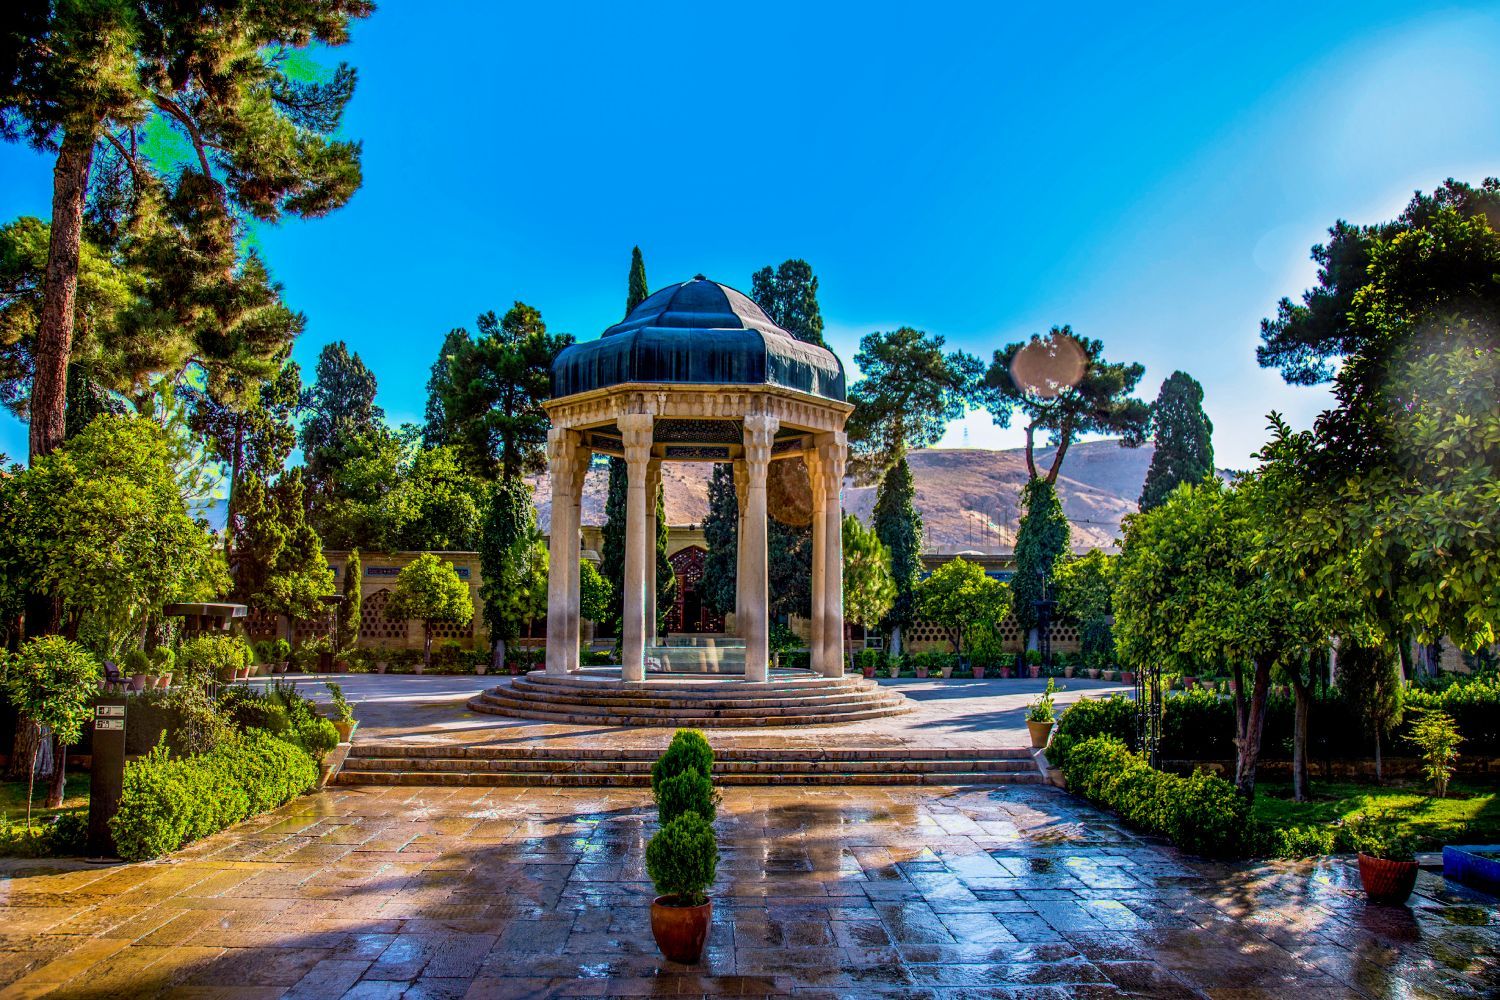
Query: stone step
[722, 768]
[525, 778]
[667, 709]
[583, 716]
[800, 682]
[419, 751]
[544, 694]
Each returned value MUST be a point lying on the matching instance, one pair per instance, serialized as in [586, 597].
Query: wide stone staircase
[793, 698]
[407, 764]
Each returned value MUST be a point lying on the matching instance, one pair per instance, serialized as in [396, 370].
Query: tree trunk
[54, 334]
[24, 747]
[1379, 778]
[497, 656]
[426, 646]
[1030, 449]
[895, 644]
[1303, 694]
[59, 773]
[1254, 726]
[234, 481]
[1064, 438]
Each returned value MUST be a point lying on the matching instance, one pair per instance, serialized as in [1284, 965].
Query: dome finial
[700, 277]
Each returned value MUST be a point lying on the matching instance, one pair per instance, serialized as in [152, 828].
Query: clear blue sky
[1152, 175]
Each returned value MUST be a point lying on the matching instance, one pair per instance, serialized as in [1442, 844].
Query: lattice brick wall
[375, 624]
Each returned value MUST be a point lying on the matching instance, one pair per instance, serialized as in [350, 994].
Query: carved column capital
[833, 459]
[635, 433]
[741, 485]
[562, 462]
[760, 434]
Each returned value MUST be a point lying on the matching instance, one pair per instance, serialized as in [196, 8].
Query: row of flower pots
[1009, 673]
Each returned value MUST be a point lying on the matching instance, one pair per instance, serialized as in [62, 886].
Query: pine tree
[75, 78]
[437, 429]
[898, 525]
[1042, 540]
[281, 564]
[1184, 439]
[789, 296]
[721, 530]
[637, 291]
[341, 406]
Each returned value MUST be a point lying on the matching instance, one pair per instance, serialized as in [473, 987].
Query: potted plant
[343, 712]
[1033, 663]
[1040, 718]
[682, 860]
[976, 670]
[138, 665]
[945, 666]
[1127, 676]
[1189, 682]
[164, 660]
[893, 666]
[1387, 858]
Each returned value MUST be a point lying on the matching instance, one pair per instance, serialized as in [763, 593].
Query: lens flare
[1049, 366]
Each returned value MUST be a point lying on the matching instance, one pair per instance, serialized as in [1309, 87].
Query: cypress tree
[352, 610]
[721, 530]
[1043, 538]
[898, 525]
[506, 541]
[789, 296]
[1184, 439]
[636, 291]
[666, 580]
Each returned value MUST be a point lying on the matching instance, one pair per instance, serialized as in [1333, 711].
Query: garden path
[841, 892]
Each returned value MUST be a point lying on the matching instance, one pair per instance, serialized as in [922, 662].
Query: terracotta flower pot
[1041, 732]
[978, 673]
[138, 682]
[680, 931]
[346, 729]
[922, 673]
[869, 672]
[166, 680]
[1127, 677]
[1007, 672]
[1033, 670]
[1387, 881]
[1189, 683]
[1094, 673]
[947, 672]
[1068, 671]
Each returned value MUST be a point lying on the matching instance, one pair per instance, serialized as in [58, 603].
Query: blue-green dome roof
[698, 332]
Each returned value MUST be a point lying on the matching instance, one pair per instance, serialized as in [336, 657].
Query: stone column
[653, 482]
[760, 431]
[562, 449]
[742, 496]
[571, 555]
[833, 450]
[635, 429]
[817, 642]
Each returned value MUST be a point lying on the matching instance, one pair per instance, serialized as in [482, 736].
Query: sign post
[107, 773]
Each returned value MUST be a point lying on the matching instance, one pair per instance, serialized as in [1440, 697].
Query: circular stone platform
[596, 696]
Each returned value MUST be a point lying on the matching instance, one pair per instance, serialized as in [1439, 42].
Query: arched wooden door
[690, 613]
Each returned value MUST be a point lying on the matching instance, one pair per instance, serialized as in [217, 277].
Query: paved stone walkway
[964, 713]
[857, 892]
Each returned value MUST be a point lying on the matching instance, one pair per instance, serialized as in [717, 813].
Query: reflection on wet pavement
[837, 892]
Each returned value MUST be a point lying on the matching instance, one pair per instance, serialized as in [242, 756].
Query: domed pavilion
[697, 373]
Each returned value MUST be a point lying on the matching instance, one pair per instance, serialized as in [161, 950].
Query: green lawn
[13, 803]
[1469, 815]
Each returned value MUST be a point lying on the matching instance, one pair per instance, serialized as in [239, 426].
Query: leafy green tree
[52, 682]
[437, 429]
[637, 290]
[1084, 586]
[430, 590]
[365, 502]
[721, 531]
[593, 592]
[1193, 588]
[789, 296]
[1063, 385]
[1183, 436]
[1305, 339]
[960, 596]
[789, 564]
[351, 611]
[102, 525]
[909, 391]
[869, 588]
[898, 525]
[76, 77]
[1043, 539]
[499, 382]
[506, 561]
[444, 504]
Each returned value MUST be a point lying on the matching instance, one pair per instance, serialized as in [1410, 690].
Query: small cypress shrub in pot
[682, 860]
[1387, 858]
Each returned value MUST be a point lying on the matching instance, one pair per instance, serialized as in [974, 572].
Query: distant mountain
[968, 496]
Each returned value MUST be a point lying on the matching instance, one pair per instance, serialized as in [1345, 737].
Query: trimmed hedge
[170, 801]
[1201, 814]
[1112, 716]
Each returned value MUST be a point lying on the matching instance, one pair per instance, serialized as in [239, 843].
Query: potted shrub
[1094, 673]
[1387, 858]
[976, 670]
[1189, 682]
[1033, 663]
[682, 860]
[1040, 718]
[893, 667]
[343, 712]
[164, 660]
[946, 665]
[138, 665]
[1127, 677]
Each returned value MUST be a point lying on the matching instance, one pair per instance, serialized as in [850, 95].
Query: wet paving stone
[938, 893]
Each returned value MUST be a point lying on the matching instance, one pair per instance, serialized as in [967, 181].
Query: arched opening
[691, 614]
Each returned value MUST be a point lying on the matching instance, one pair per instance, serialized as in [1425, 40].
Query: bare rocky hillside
[968, 496]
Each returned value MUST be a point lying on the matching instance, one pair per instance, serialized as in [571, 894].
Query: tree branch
[1064, 438]
[129, 157]
[1030, 455]
[175, 110]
